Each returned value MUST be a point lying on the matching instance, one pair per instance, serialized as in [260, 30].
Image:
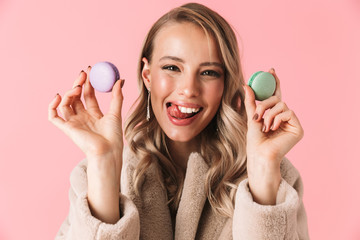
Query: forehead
[187, 41]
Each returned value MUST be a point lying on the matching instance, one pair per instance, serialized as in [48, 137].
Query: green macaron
[263, 84]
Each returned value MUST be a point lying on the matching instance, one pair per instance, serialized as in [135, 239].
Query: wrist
[104, 156]
[103, 173]
[264, 182]
[264, 193]
[105, 167]
[104, 205]
[103, 195]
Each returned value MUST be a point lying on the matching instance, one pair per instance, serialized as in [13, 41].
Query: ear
[145, 73]
[237, 102]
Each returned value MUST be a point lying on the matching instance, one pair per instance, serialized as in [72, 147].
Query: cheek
[164, 83]
[214, 92]
[161, 86]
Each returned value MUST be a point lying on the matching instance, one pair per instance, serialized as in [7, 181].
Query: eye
[171, 68]
[211, 73]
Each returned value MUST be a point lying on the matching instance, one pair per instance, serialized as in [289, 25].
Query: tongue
[175, 112]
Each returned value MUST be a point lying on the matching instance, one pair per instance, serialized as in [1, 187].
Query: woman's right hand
[99, 136]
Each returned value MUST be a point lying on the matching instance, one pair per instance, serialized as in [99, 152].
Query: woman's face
[186, 77]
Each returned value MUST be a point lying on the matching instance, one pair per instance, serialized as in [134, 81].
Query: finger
[269, 117]
[91, 102]
[117, 99]
[52, 112]
[249, 102]
[80, 80]
[250, 106]
[265, 105]
[65, 105]
[277, 89]
[288, 117]
[77, 103]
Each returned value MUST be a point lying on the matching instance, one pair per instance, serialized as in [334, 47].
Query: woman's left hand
[273, 129]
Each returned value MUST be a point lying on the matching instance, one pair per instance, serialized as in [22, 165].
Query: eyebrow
[202, 64]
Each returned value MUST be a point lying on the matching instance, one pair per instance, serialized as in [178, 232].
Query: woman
[204, 160]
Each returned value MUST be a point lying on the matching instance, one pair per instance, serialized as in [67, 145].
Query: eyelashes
[171, 68]
[208, 73]
[211, 73]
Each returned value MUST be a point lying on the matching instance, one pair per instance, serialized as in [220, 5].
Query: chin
[180, 136]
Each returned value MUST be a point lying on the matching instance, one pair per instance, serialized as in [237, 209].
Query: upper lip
[185, 104]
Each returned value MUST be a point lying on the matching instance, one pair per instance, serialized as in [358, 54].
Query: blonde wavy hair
[223, 141]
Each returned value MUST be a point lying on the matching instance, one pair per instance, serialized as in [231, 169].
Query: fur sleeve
[80, 224]
[285, 220]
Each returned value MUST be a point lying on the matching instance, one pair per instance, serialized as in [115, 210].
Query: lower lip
[182, 122]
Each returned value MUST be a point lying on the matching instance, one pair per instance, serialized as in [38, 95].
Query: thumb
[249, 102]
[117, 98]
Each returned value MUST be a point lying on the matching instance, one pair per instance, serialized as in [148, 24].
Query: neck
[180, 151]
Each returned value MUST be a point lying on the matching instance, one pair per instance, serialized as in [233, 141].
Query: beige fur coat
[148, 217]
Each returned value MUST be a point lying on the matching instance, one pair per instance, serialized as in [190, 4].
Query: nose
[189, 86]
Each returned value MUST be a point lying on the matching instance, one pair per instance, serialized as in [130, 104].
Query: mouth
[181, 112]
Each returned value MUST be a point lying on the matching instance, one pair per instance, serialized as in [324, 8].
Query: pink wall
[313, 45]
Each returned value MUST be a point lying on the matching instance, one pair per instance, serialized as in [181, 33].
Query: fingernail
[255, 116]
[263, 128]
[81, 72]
[89, 66]
[273, 69]
[122, 83]
[56, 95]
[272, 126]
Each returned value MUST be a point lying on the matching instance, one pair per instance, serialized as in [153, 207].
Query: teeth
[188, 110]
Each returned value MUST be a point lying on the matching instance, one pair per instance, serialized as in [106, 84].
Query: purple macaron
[103, 76]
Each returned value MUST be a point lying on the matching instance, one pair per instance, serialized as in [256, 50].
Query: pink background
[313, 45]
